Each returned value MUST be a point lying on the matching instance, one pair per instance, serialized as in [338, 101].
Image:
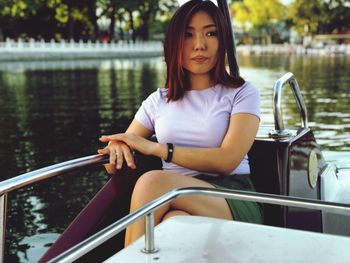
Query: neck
[200, 81]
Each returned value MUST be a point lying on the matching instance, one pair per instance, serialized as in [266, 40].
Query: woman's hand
[134, 141]
[119, 148]
[118, 153]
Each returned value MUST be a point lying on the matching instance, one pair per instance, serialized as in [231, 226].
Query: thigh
[156, 183]
[242, 210]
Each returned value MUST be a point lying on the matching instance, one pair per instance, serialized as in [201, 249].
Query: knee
[149, 180]
[148, 186]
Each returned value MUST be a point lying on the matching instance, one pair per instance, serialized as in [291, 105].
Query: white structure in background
[20, 49]
[298, 49]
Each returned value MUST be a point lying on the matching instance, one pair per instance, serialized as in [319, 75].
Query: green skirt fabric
[245, 211]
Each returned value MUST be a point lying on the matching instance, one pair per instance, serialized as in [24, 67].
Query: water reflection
[325, 84]
[55, 114]
[55, 111]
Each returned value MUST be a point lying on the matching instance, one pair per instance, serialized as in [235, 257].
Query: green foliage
[257, 13]
[138, 16]
[306, 15]
[320, 16]
[80, 18]
[61, 13]
[19, 8]
[77, 18]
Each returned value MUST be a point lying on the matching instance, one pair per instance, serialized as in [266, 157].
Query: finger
[104, 138]
[103, 151]
[110, 168]
[129, 158]
[112, 157]
[120, 160]
[107, 138]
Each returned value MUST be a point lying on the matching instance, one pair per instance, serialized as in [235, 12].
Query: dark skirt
[245, 211]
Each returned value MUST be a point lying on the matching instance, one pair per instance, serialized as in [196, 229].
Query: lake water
[55, 111]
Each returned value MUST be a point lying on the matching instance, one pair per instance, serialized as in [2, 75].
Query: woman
[205, 122]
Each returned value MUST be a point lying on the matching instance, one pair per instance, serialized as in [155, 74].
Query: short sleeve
[147, 112]
[247, 100]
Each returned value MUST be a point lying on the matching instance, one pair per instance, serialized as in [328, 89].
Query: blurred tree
[306, 16]
[76, 19]
[92, 16]
[135, 16]
[19, 8]
[12, 12]
[107, 14]
[148, 10]
[117, 11]
[67, 18]
[340, 15]
[260, 16]
[158, 25]
[319, 16]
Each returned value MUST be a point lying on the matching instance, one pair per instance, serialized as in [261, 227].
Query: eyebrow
[204, 27]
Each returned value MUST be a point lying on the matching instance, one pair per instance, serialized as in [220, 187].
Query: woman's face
[201, 44]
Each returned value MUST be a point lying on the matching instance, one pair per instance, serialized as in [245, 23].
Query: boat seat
[281, 167]
[263, 161]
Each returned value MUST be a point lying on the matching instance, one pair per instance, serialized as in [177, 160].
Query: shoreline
[289, 49]
[80, 63]
[41, 51]
[43, 56]
[28, 51]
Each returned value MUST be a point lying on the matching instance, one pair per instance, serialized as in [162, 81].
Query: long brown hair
[177, 81]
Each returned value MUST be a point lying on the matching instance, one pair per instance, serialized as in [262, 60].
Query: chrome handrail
[39, 175]
[95, 240]
[26, 179]
[3, 208]
[280, 131]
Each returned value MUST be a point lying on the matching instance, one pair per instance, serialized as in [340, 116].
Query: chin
[200, 71]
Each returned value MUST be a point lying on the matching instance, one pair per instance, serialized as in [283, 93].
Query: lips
[200, 59]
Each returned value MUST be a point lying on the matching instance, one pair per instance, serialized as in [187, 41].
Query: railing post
[3, 208]
[149, 235]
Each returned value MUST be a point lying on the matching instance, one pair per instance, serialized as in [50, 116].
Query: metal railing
[36, 176]
[280, 131]
[148, 210]
[21, 46]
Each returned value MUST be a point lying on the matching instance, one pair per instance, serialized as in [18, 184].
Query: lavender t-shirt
[200, 119]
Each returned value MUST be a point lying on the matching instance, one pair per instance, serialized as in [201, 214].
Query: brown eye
[188, 34]
[212, 33]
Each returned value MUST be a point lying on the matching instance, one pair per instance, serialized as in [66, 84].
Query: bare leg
[156, 183]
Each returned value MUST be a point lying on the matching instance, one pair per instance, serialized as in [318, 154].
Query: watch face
[313, 169]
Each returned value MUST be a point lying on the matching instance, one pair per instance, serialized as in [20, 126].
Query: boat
[305, 205]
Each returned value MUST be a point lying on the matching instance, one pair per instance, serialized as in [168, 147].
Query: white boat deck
[199, 239]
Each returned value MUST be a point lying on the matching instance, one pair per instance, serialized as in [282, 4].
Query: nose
[199, 43]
